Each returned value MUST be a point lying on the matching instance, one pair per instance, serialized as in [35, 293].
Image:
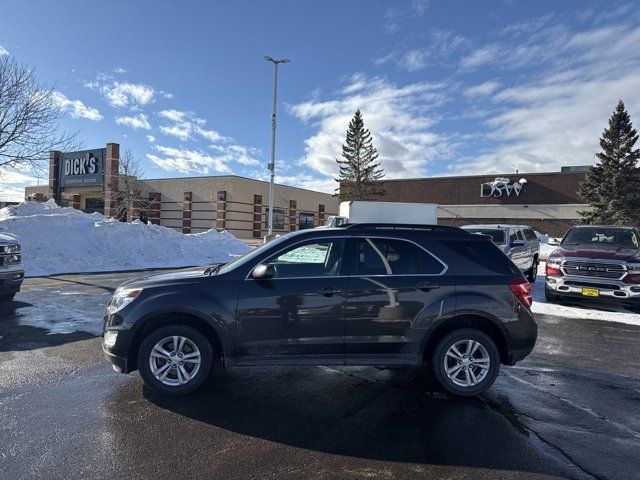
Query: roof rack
[451, 231]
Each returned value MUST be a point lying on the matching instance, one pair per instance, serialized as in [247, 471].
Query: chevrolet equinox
[360, 294]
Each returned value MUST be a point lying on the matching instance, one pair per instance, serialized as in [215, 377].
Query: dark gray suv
[380, 295]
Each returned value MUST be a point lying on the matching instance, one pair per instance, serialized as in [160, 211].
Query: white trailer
[386, 212]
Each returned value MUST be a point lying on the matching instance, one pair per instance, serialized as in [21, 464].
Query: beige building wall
[244, 209]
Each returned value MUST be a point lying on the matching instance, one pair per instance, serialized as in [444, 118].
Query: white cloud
[3, 51]
[485, 55]
[12, 185]
[481, 90]
[135, 122]
[184, 160]
[186, 126]
[122, 94]
[76, 108]
[395, 16]
[151, 138]
[399, 118]
[119, 70]
[414, 60]
[557, 117]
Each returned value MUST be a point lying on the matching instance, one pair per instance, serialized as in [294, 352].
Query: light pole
[273, 140]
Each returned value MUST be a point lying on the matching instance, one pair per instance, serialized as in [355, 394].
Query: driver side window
[312, 259]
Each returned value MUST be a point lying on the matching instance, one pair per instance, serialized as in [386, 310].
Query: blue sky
[446, 87]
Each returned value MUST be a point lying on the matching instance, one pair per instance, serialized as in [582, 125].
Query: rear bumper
[10, 281]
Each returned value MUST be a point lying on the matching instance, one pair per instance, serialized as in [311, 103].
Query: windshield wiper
[213, 269]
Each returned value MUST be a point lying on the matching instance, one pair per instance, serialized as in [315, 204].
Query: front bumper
[10, 280]
[609, 290]
[118, 362]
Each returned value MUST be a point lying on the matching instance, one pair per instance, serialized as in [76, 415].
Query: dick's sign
[84, 168]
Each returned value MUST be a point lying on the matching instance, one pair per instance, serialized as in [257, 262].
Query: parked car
[11, 269]
[360, 294]
[518, 242]
[596, 262]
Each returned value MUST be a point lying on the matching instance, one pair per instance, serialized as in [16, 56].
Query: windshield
[248, 257]
[602, 236]
[496, 234]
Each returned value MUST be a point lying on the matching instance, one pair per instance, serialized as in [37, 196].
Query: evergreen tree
[358, 168]
[612, 186]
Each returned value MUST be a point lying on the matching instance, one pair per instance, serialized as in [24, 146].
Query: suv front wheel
[466, 362]
[175, 360]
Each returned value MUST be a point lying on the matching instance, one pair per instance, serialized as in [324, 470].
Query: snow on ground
[607, 313]
[65, 240]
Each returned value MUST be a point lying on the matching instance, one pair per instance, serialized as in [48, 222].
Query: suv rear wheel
[175, 360]
[466, 362]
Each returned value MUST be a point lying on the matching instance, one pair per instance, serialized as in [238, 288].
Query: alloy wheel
[467, 363]
[175, 360]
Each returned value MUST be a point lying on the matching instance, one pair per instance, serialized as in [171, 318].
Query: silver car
[518, 242]
[11, 269]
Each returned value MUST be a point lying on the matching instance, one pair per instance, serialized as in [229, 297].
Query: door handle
[329, 291]
[426, 286]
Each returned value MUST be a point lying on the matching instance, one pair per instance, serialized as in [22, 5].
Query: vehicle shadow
[386, 415]
[15, 336]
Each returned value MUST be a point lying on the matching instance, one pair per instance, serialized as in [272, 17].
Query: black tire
[439, 368]
[549, 296]
[191, 334]
[532, 273]
[7, 297]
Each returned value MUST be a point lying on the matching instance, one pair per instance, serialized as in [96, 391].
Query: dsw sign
[501, 187]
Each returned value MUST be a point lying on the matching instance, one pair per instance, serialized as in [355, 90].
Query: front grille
[586, 283]
[594, 269]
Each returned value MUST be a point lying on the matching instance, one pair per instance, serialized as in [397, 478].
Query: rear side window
[386, 256]
[513, 235]
[483, 253]
[530, 234]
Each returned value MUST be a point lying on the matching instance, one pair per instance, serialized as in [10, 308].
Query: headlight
[15, 258]
[13, 248]
[122, 298]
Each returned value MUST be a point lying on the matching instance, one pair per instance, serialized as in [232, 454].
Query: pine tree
[612, 186]
[359, 169]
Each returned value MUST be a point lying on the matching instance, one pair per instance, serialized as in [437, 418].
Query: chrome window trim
[445, 268]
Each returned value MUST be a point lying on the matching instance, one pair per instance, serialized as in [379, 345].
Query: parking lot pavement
[569, 410]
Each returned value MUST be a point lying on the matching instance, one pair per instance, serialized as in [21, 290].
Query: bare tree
[29, 119]
[127, 198]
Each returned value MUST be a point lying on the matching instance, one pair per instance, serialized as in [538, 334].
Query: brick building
[548, 201]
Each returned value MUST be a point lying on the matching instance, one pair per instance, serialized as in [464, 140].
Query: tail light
[553, 271]
[522, 290]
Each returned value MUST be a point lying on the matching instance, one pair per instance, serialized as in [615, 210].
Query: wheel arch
[162, 319]
[467, 320]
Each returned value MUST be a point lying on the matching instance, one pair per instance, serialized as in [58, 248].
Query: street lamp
[273, 140]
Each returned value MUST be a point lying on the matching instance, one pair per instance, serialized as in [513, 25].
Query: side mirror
[554, 241]
[263, 272]
[517, 243]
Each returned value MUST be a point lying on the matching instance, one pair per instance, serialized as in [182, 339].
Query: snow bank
[65, 240]
[606, 313]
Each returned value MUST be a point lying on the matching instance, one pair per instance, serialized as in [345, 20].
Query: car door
[396, 289]
[297, 315]
[517, 252]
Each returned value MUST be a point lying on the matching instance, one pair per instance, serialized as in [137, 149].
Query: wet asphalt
[570, 410]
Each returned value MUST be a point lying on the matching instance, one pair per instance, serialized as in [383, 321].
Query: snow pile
[603, 312]
[65, 240]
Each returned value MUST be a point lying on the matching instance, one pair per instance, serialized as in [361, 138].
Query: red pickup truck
[596, 262]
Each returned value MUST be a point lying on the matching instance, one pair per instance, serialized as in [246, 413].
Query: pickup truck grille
[594, 269]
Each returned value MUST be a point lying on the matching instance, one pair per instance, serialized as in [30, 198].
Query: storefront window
[92, 205]
[306, 220]
[278, 219]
